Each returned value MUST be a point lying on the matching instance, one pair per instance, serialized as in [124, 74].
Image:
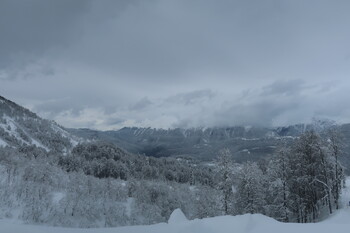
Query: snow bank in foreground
[177, 217]
[256, 223]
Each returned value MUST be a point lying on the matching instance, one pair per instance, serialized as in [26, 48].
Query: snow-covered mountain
[97, 184]
[247, 143]
[21, 127]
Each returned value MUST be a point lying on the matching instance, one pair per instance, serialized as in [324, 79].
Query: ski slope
[339, 222]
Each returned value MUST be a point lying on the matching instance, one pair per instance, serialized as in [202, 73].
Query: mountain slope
[248, 223]
[21, 127]
[246, 143]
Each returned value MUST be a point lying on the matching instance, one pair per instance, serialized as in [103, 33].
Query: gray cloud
[108, 64]
[190, 98]
[284, 87]
[30, 28]
[141, 104]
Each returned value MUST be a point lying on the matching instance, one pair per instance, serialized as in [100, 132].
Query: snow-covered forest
[99, 185]
[174, 116]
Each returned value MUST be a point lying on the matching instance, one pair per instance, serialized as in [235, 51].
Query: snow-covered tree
[278, 193]
[225, 163]
[335, 146]
[250, 190]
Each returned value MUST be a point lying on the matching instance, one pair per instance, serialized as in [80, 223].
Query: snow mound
[177, 216]
[248, 223]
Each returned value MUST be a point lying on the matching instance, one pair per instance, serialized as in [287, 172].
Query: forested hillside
[97, 184]
[246, 143]
[21, 127]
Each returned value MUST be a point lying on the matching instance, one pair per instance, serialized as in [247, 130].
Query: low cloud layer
[109, 64]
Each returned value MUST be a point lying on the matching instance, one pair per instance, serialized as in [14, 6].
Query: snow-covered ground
[339, 222]
[239, 224]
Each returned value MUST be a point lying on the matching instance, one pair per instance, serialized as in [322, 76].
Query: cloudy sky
[106, 64]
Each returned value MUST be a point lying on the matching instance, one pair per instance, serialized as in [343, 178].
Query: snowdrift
[339, 223]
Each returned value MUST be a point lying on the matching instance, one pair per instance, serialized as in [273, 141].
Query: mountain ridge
[246, 143]
[21, 127]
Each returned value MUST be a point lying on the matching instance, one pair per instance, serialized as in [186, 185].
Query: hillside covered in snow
[46, 179]
[20, 127]
[248, 223]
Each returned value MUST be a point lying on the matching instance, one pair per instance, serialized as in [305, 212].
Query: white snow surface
[339, 222]
[177, 217]
[247, 223]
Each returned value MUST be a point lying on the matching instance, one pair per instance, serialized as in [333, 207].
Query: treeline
[85, 188]
[100, 185]
[104, 160]
[301, 183]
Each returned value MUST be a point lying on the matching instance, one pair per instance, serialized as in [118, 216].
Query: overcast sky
[106, 64]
